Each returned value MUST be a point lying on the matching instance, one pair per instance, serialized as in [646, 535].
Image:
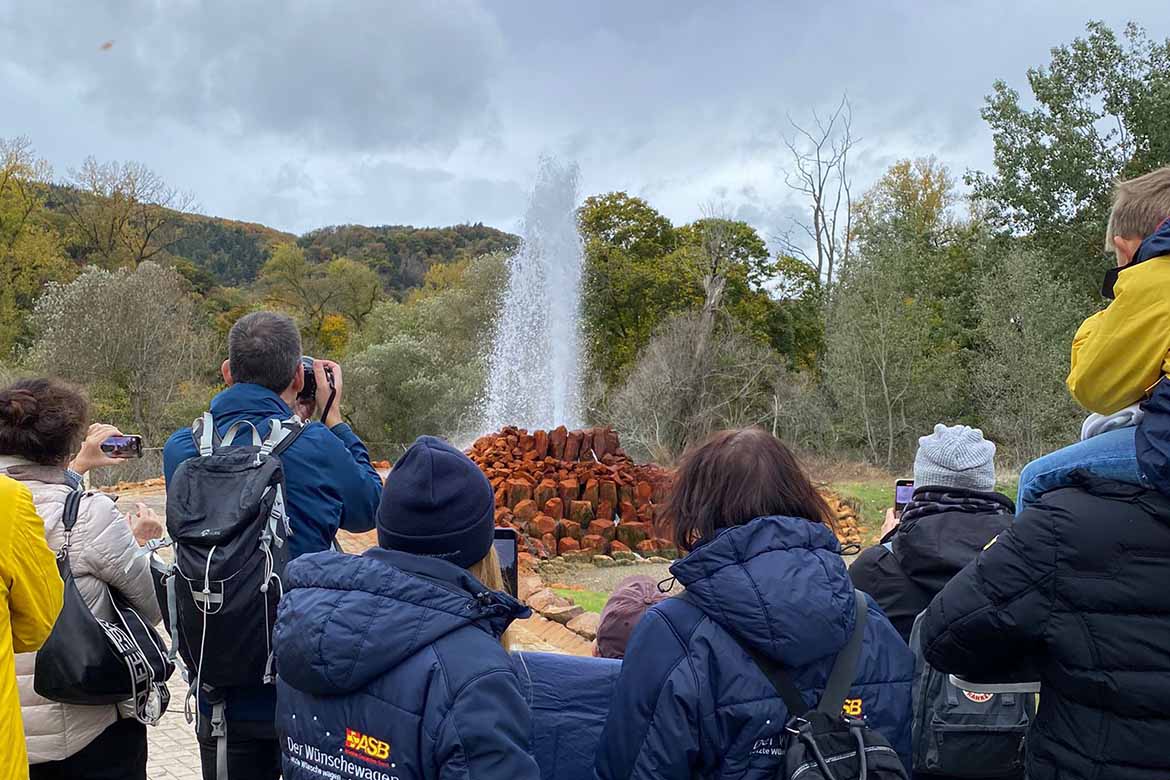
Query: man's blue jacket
[690, 701]
[390, 665]
[329, 484]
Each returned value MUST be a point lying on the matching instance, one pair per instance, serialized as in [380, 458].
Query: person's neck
[289, 396]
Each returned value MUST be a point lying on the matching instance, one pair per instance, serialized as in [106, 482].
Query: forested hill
[230, 253]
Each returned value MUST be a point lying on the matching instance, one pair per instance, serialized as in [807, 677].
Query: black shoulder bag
[90, 661]
[823, 743]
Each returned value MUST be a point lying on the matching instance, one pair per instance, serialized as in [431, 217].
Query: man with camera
[329, 484]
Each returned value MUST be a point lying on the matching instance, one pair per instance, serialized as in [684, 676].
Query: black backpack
[226, 518]
[960, 733]
[824, 743]
[90, 661]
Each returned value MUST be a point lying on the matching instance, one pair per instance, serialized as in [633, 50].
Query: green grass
[876, 496]
[588, 600]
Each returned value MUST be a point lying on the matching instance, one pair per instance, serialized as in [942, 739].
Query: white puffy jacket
[103, 546]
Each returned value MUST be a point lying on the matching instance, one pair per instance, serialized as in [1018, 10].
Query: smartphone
[903, 493]
[507, 544]
[123, 446]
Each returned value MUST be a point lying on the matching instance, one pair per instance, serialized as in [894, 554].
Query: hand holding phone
[903, 494]
[122, 447]
[94, 452]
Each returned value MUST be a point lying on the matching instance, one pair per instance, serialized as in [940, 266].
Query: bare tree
[820, 158]
[124, 214]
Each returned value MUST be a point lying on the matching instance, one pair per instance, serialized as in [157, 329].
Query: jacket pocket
[975, 750]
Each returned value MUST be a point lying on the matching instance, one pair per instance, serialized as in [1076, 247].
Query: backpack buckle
[797, 725]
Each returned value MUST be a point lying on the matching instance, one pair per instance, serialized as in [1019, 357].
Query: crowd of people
[396, 664]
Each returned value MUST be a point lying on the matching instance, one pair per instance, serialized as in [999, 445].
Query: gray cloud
[305, 114]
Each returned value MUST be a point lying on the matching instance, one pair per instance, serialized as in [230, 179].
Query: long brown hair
[733, 478]
[487, 571]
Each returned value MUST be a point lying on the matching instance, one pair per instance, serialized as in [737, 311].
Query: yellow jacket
[30, 598]
[1120, 353]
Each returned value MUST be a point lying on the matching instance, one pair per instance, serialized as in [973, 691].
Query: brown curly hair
[42, 420]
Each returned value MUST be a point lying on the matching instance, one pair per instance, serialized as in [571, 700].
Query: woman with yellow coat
[30, 598]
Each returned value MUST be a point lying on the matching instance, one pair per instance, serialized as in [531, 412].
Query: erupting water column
[534, 379]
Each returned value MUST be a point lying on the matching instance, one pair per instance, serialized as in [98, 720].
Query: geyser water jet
[534, 367]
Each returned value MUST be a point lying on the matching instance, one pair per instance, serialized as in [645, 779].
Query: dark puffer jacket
[390, 665]
[942, 530]
[691, 703]
[1076, 593]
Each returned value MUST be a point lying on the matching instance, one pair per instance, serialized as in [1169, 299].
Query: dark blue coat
[329, 484]
[392, 662]
[690, 702]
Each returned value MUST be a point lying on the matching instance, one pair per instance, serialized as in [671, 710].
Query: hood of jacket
[1157, 244]
[346, 620]
[247, 400]
[944, 529]
[777, 584]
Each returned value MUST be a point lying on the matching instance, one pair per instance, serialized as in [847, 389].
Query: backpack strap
[207, 439]
[72, 507]
[840, 678]
[283, 434]
[845, 667]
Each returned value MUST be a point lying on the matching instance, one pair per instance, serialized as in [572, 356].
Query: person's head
[264, 348]
[626, 606]
[735, 477]
[1140, 206]
[437, 503]
[955, 456]
[42, 420]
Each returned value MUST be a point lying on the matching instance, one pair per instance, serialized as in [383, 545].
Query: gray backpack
[963, 734]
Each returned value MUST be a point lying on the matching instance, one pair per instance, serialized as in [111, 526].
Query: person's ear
[1126, 249]
[225, 368]
[298, 382]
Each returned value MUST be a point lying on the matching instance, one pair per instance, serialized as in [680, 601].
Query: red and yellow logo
[362, 744]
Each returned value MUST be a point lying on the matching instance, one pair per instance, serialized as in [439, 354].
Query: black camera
[309, 391]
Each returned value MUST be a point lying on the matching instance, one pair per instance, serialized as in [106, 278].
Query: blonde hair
[1139, 206]
[487, 570]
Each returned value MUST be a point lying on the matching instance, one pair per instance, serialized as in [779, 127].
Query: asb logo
[979, 698]
[852, 708]
[357, 742]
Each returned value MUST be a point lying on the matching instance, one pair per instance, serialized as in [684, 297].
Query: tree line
[932, 295]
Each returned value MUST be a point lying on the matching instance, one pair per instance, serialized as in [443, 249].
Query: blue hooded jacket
[691, 702]
[329, 484]
[391, 663]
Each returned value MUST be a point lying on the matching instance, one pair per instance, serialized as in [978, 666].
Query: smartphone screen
[903, 493]
[123, 446]
[506, 544]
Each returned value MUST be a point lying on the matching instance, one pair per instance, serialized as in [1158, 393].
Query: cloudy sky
[302, 114]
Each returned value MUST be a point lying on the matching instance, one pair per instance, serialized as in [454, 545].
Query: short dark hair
[733, 478]
[42, 420]
[264, 348]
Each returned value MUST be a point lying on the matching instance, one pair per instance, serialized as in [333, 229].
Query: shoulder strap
[845, 667]
[206, 437]
[294, 426]
[840, 678]
[72, 505]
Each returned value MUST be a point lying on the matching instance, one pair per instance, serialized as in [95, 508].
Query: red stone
[607, 491]
[555, 508]
[568, 544]
[556, 442]
[518, 490]
[590, 493]
[647, 546]
[543, 525]
[568, 528]
[550, 542]
[581, 511]
[544, 491]
[526, 510]
[605, 511]
[572, 446]
[630, 534]
[593, 543]
[540, 444]
[627, 512]
[642, 493]
[586, 451]
[616, 546]
[570, 489]
[625, 493]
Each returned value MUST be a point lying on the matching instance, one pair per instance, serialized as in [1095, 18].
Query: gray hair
[264, 348]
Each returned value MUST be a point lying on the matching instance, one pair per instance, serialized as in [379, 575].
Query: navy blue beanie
[437, 503]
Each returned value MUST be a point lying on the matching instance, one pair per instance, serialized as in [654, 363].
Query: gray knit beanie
[955, 456]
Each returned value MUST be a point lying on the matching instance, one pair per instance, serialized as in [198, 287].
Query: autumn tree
[30, 251]
[123, 214]
[330, 300]
[1098, 111]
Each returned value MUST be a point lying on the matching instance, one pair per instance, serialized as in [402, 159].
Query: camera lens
[309, 391]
